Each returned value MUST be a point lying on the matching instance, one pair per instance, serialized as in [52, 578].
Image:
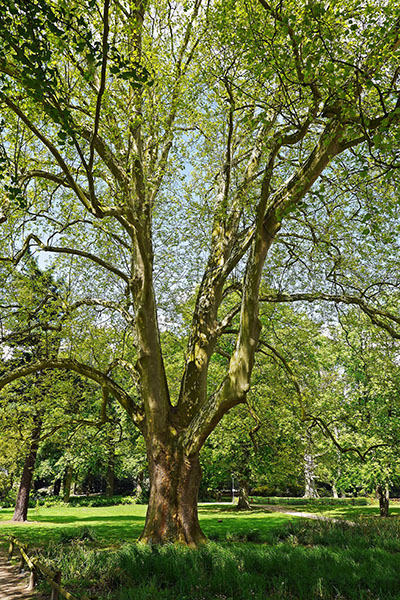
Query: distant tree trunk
[339, 467]
[89, 482]
[336, 493]
[110, 483]
[382, 493]
[21, 505]
[244, 503]
[67, 483]
[57, 487]
[139, 485]
[310, 488]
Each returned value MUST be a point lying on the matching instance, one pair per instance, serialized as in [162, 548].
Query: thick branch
[40, 174]
[87, 371]
[106, 154]
[102, 81]
[72, 251]
[53, 150]
[103, 304]
[375, 314]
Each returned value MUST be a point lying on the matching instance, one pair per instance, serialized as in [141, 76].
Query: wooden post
[32, 580]
[11, 549]
[54, 591]
[36, 567]
[21, 563]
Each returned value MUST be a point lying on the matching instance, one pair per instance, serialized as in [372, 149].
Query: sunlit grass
[253, 554]
[297, 560]
[115, 525]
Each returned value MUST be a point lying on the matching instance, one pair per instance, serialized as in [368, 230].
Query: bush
[83, 501]
[7, 492]
[82, 534]
[311, 501]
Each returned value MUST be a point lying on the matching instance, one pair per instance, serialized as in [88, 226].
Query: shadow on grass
[118, 525]
[90, 518]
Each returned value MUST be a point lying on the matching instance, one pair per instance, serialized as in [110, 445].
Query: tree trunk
[67, 483]
[21, 505]
[57, 487]
[244, 503]
[310, 488]
[339, 467]
[110, 483]
[139, 485]
[382, 493]
[174, 486]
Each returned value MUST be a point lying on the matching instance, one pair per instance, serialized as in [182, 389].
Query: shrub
[311, 501]
[82, 534]
[83, 501]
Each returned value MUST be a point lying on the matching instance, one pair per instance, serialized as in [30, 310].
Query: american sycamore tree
[237, 150]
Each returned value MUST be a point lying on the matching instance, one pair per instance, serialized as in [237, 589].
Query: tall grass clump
[303, 561]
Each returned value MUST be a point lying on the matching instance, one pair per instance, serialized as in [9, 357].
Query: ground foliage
[304, 559]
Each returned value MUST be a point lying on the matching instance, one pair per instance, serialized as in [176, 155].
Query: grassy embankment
[254, 555]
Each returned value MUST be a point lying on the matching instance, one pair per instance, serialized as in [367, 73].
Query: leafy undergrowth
[300, 560]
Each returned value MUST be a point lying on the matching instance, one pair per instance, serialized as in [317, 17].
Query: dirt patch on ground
[13, 586]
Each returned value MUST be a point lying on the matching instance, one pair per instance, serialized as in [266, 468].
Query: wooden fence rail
[53, 578]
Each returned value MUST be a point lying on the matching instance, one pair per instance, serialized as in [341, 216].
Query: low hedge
[307, 501]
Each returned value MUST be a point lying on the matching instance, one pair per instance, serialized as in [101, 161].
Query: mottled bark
[174, 485]
[139, 485]
[382, 493]
[244, 502]
[310, 487]
[335, 493]
[21, 505]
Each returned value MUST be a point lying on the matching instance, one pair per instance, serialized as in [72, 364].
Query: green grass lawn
[252, 556]
[116, 525]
